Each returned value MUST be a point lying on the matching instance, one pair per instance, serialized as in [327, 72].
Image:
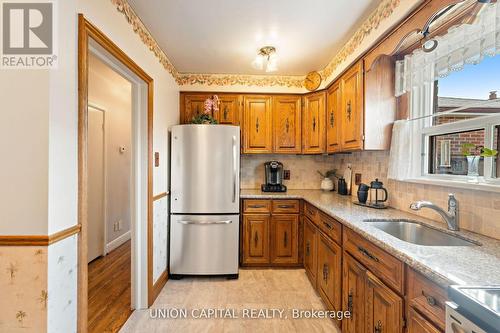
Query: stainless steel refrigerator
[204, 212]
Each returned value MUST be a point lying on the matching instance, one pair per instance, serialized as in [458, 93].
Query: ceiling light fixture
[267, 55]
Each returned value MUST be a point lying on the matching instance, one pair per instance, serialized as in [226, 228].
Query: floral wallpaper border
[383, 11]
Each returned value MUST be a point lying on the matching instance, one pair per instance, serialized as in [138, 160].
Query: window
[454, 106]
[465, 111]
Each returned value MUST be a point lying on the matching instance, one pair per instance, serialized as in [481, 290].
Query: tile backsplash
[479, 210]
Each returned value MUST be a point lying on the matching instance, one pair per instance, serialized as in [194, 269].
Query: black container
[363, 193]
[342, 186]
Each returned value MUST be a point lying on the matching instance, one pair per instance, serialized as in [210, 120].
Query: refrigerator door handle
[205, 222]
[235, 153]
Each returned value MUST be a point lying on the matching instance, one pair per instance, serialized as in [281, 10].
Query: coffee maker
[274, 177]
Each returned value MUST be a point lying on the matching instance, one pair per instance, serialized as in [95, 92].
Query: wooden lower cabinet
[284, 239]
[353, 295]
[256, 238]
[271, 234]
[374, 306]
[329, 273]
[310, 250]
[384, 308]
[418, 324]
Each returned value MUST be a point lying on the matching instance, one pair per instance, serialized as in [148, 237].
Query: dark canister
[363, 193]
[342, 186]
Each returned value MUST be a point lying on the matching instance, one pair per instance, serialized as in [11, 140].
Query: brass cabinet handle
[286, 206]
[314, 124]
[225, 112]
[308, 248]
[256, 239]
[325, 272]
[331, 118]
[285, 239]
[349, 111]
[367, 254]
[197, 109]
[378, 327]
[287, 125]
[327, 225]
[257, 125]
[350, 302]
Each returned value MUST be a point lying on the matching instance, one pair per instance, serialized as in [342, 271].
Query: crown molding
[383, 11]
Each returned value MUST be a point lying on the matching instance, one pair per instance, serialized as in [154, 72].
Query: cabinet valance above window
[463, 44]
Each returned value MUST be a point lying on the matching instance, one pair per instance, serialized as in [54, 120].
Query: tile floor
[255, 289]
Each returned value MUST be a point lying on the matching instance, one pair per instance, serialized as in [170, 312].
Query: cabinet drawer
[381, 263]
[286, 206]
[427, 298]
[311, 212]
[257, 206]
[418, 324]
[330, 227]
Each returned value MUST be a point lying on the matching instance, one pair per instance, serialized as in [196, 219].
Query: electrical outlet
[286, 174]
[357, 178]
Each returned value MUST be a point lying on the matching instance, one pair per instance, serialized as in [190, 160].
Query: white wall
[112, 92]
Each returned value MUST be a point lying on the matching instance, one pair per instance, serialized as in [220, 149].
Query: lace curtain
[463, 44]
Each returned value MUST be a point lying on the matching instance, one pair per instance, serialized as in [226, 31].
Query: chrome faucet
[450, 217]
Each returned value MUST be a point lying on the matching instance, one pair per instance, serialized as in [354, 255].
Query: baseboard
[117, 242]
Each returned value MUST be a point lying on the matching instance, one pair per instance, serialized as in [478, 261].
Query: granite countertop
[445, 265]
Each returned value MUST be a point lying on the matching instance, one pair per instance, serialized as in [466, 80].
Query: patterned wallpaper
[160, 236]
[479, 210]
[23, 289]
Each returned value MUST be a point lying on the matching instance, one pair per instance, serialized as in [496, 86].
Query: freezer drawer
[204, 244]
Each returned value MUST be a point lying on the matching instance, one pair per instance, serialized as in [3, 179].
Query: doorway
[137, 251]
[109, 180]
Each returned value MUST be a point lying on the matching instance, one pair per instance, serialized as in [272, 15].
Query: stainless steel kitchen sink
[415, 232]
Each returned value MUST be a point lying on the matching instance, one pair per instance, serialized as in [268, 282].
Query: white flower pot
[327, 184]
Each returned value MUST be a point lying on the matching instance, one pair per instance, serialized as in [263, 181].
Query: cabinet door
[257, 126]
[353, 295]
[192, 105]
[229, 110]
[384, 311]
[334, 119]
[287, 124]
[313, 124]
[284, 239]
[255, 239]
[329, 275]
[352, 108]
[418, 324]
[310, 255]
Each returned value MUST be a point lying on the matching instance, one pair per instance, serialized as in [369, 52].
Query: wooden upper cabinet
[352, 108]
[192, 105]
[287, 124]
[384, 307]
[353, 295]
[257, 125]
[284, 239]
[229, 110]
[313, 123]
[334, 119]
[256, 239]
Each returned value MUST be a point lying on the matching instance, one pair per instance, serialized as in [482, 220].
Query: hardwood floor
[109, 291]
[284, 289]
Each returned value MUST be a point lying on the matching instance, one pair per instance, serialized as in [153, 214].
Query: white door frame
[139, 178]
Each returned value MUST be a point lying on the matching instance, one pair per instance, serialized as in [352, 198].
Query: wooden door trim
[86, 31]
[39, 240]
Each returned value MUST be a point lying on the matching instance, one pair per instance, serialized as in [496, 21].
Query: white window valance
[463, 44]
